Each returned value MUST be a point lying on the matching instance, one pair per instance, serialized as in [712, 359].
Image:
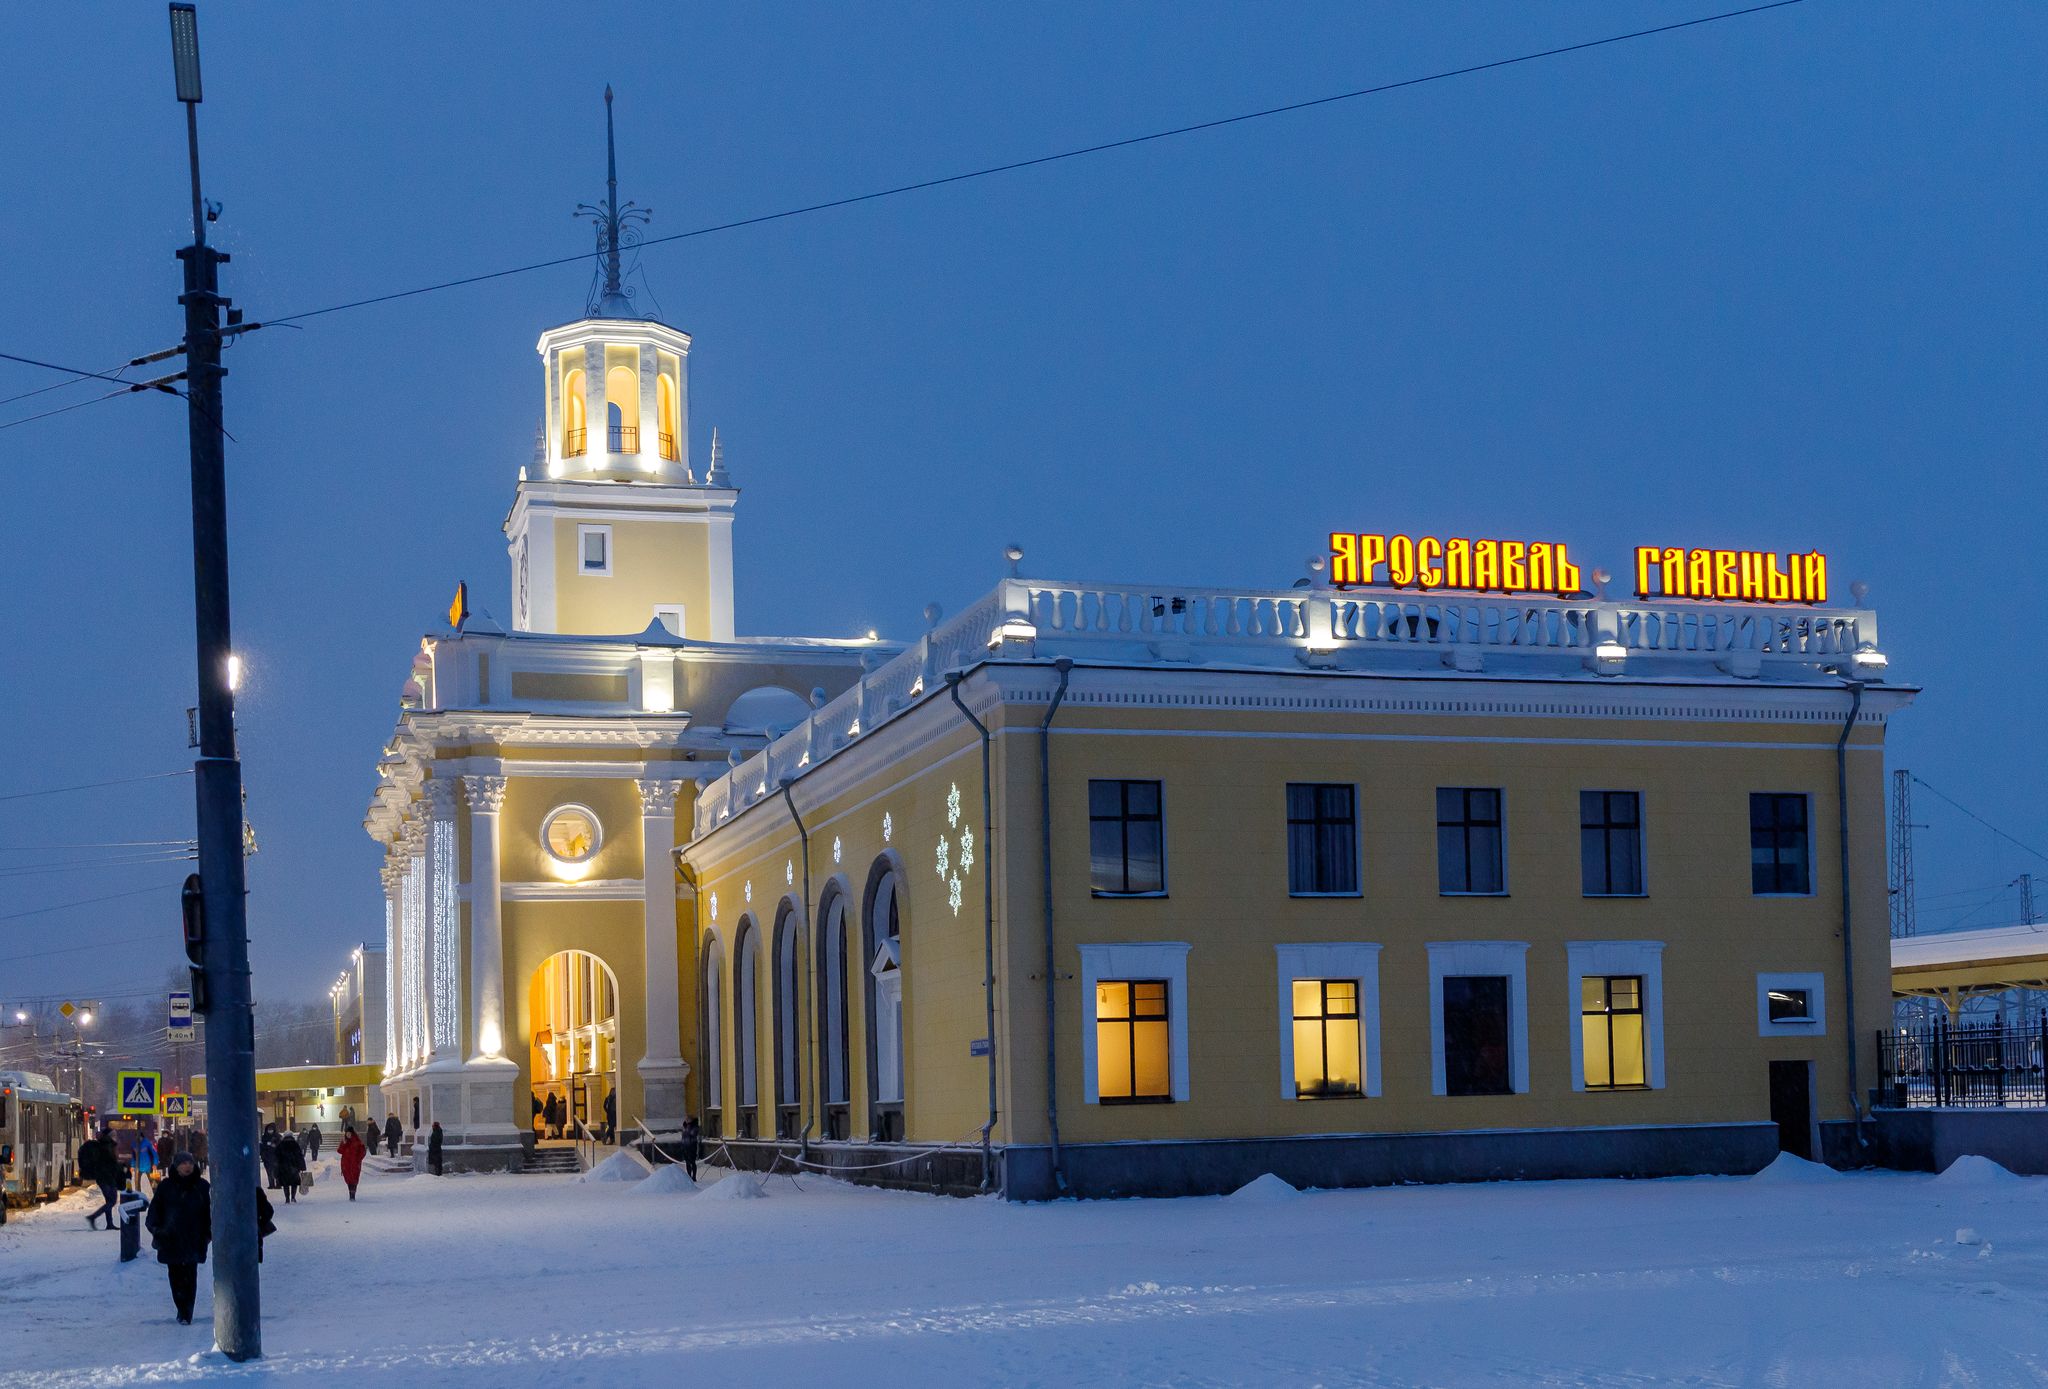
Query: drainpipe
[988, 925]
[1052, 1090]
[803, 974]
[1848, 939]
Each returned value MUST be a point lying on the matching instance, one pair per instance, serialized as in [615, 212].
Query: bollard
[133, 1204]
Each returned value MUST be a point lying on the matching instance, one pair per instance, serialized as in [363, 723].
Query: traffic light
[193, 903]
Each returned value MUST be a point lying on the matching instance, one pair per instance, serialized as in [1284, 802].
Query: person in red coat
[351, 1153]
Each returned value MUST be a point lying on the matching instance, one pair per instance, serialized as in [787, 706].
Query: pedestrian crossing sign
[137, 1091]
[175, 1107]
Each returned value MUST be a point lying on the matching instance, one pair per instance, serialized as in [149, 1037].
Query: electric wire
[87, 902]
[94, 785]
[2017, 843]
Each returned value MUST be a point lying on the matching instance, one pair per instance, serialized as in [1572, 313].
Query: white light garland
[838, 849]
[953, 894]
[953, 806]
[714, 906]
[747, 891]
[966, 851]
[888, 827]
[447, 989]
[944, 866]
[789, 873]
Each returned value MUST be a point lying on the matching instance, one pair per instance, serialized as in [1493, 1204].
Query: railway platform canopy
[1954, 966]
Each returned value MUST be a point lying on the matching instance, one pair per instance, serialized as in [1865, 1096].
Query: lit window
[1778, 858]
[1789, 1005]
[1611, 843]
[1126, 838]
[1326, 1052]
[571, 834]
[1468, 840]
[595, 545]
[1611, 1027]
[1322, 839]
[1133, 1053]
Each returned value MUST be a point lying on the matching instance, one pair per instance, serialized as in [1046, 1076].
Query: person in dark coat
[611, 1116]
[291, 1164]
[180, 1225]
[312, 1145]
[100, 1164]
[552, 1113]
[434, 1148]
[267, 1149]
[693, 1142]
[351, 1154]
[374, 1134]
[266, 1226]
[392, 1128]
[538, 1119]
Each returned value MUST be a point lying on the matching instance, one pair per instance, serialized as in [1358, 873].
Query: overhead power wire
[1019, 164]
[75, 949]
[86, 902]
[96, 785]
[2016, 843]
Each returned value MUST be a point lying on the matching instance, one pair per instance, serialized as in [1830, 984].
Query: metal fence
[1968, 1067]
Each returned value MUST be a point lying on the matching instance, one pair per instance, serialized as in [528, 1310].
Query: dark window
[1476, 1035]
[1468, 840]
[1126, 841]
[1790, 1005]
[1133, 1051]
[1611, 1030]
[1322, 838]
[1611, 843]
[1778, 857]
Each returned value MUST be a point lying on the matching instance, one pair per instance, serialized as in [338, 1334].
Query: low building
[1120, 889]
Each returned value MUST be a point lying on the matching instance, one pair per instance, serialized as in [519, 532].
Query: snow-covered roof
[1995, 945]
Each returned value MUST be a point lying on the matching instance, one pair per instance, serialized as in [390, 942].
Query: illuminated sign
[1427, 563]
[1755, 576]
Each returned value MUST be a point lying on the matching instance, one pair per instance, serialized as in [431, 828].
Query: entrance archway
[573, 1059]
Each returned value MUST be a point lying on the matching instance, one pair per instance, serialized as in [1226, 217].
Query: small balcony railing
[668, 448]
[576, 443]
[625, 438]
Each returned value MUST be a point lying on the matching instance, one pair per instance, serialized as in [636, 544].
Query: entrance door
[1476, 1035]
[1792, 1106]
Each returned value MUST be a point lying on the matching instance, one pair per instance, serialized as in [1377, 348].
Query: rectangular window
[1322, 839]
[671, 617]
[1126, 839]
[1468, 840]
[1133, 1053]
[1778, 854]
[1789, 1005]
[1476, 1035]
[1327, 1059]
[594, 549]
[1611, 843]
[1611, 1028]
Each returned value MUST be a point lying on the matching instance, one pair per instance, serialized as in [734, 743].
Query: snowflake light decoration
[944, 867]
[953, 806]
[953, 894]
[789, 872]
[748, 891]
[888, 827]
[967, 851]
[838, 849]
[714, 906]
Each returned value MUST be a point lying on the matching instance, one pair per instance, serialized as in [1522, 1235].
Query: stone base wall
[904, 1167]
[1928, 1140]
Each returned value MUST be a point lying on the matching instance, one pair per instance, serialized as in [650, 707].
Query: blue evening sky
[1773, 283]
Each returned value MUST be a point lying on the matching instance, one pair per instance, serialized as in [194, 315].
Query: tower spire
[616, 229]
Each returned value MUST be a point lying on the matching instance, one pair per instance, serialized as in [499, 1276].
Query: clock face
[571, 834]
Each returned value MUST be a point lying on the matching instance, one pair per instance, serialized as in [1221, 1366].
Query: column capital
[412, 839]
[486, 794]
[659, 797]
[392, 873]
[439, 795]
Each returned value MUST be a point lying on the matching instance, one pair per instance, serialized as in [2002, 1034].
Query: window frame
[1595, 958]
[1357, 888]
[679, 609]
[1609, 1013]
[1124, 819]
[1166, 960]
[1355, 960]
[1509, 958]
[1805, 799]
[1606, 828]
[584, 529]
[1500, 826]
[1130, 1020]
[1814, 982]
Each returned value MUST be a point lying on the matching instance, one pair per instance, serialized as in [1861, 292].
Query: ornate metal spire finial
[617, 228]
[716, 475]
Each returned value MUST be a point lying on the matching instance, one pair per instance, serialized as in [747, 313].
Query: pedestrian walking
[351, 1154]
[195, 1144]
[693, 1141]
[145, 1162]
[180, 1224]
[611, 1116]
[538, 1120]
[434, 1148]
[374, 1135]
[267, 1149]
[291, 1164]
[100, 1164]
[266, 1226]
[392, 1129]
[552, 1113]
[312, 1145]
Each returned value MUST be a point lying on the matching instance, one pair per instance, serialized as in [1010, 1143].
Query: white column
[394, 889]
[486, 796]
[443, 923]
[662, 1069]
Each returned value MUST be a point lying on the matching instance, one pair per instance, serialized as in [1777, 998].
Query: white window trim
[1812, 868]
[1358, 960]
[661, 609]
[1166, 960]
[1815, 985]
[1605, 957]
[585, 529]
[1506, 957]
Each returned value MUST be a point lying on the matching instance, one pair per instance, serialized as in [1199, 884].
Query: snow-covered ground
[1795, 1279]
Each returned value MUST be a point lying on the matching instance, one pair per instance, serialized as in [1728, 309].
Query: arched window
[788, 1049]
[622, 409]
[745, 1017]
[575, 409]
[713, 1086]
[884, 937]
[665, 416]
[832, 1007]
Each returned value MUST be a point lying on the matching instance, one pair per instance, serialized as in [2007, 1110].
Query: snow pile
[668, 1180]
[738, 1186]
[1967, 1235]
[1972, 1170]
[1788, 1169]
[1264, 1190]
[619, 1167]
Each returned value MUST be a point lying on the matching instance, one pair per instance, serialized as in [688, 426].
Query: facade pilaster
[662, 1069]
[486, 796]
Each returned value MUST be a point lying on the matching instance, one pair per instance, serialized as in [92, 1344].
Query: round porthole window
[571, 834]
